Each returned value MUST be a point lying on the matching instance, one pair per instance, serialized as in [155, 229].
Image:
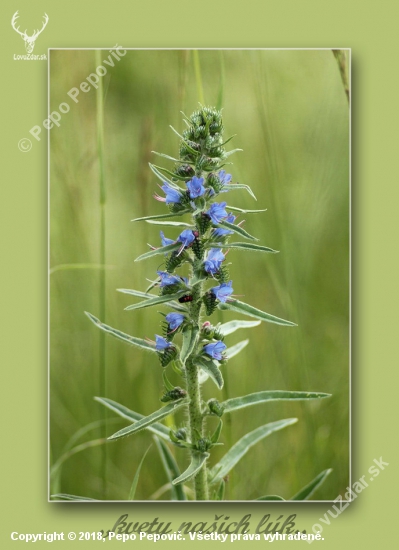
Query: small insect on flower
[186, 298]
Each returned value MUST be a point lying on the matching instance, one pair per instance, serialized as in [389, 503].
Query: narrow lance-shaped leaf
[157, 300]
[65, 496]
[242, 446]
[190, 334]
[248, 246]
[161, 216]
[237, 229]
[241, 307]
[270, 497]
[235, 350]
[168, 409]
[197, 462]
[307, 491]
[236, 403]
[158, 429]
[210, 368]
[232, 186]
[243, 211]
[162, 177]
[147, 295]
[171, 468]
[136, 477]
[232, 326]
[169, 223]
[139, 342]
[158, 251]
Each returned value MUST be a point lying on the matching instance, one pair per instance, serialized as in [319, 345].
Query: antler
[13, 22]
[36, 33]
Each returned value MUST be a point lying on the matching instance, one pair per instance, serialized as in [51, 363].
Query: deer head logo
[29, 40]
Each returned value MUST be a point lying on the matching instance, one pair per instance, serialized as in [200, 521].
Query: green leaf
[169, 224]
[139, 342]
[307, 491]
[219, 494]
[270, 497]
[237, 403]
[229, 153]
[167, 384]
[237, 229]
[158, 429]
[240, 449]
[65, 496]
[158, 251]
[136, 477]
[232, 326]
[171, 469]
[147, 295]
[248, 246]
[234, 350]
[232, 186]
[241, 307]
[157, 300]
[162, 177]
[217, 432]
[210, 368]
[197, 462]
[169, 173]
[168, 157]
[161, 216]
[236, 209]
[168, 409]
[190, 334]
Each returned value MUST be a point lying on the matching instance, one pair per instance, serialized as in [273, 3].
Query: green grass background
[290, 114]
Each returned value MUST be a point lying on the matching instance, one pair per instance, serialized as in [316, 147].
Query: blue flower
[172, 195]
[221, 232]
[165, 240]
[215, 350]
[223, 291]
[186, 237]
[161, 344]
[224, 179]
[174, 320]
[217, 212]
[213, 261]
[168, 279]
[195, 187]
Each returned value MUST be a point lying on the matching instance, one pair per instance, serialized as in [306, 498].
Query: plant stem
[102, 202]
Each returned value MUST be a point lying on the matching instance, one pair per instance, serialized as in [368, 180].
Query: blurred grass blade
[171, 468]
[190, 334]
[169, 224]
[157, 300]
[219, 494]
[157, 251]
[242, 446]
[197, 462]
[232, 326]
[66, 267]
[121, 335]
[271, 497]
[168, 409]
[139, 342]
[219, 101]
[307, 491]
[236, 209]
[210, 368]
[161, 216]
[241, 307]
[249, 246]
[158, 429]
[136, 477]
[147, 295]
[233, 186]
[237, 403]
[216, 434]
[237, 229]
[65, 496]
[234, 350]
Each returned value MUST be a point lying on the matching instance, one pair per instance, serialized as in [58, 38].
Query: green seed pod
[203, 445]
[210, 302]
[185, 170]
[175, 260]
[173, 395]
[165, 357]
[215, 407]
[198, 248]
[203, 222]
[222, 275]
